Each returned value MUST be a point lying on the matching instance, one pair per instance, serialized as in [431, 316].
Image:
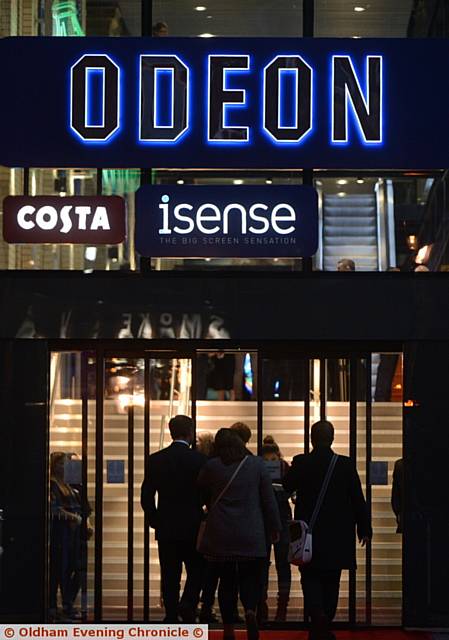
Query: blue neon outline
[348, 99]
[120, 75]
[307, 133]
[228, 105]
[158, 141]
[161, 71]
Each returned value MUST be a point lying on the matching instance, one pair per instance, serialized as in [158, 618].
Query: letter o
[47, 212]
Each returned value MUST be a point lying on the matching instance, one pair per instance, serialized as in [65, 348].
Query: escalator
[358, 226]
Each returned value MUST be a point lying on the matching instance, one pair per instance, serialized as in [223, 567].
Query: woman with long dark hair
[241, 502]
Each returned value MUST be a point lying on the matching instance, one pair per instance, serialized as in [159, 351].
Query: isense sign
[226, 221]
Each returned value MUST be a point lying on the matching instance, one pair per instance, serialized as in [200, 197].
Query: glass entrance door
[110, 410]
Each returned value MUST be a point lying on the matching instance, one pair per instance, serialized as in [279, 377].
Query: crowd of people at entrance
[219, 510]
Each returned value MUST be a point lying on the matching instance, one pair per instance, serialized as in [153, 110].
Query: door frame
[189, 349]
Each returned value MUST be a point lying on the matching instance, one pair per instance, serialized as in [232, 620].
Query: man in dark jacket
[333, 545]
[172, 474]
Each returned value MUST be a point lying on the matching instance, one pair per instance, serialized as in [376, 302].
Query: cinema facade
[174, 210]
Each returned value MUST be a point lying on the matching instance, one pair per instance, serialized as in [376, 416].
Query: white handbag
[300, 547]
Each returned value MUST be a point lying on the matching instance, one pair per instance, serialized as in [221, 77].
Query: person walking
[237, 489]
[343, 509]
[172, 473]
[277, 468]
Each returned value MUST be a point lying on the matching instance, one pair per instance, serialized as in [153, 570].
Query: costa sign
[74, 220]
[225, 102]
[226, 221]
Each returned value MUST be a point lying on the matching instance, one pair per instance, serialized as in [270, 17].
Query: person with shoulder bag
[329, 508]
[238, 491]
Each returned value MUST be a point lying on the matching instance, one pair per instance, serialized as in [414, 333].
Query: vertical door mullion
[193, 391]
[259, 361]
[353, 456]
[323, 393]
[130, 582]
[306, 397]
[369, 424]
[84, 477]
[99, 418]
[146, 453]
[307, 364]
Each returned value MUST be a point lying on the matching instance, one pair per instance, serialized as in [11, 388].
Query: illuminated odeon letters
[275, 76]
[221, 98]
[367, 109]
[164, 115]
[83, 120]
[284, 110]
[209, 219]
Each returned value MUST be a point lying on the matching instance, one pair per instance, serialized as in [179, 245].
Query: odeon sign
[166, 103]
[286, 103]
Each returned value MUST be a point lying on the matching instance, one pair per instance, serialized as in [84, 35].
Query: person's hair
[269, 440]
[181, 427]
[159, 26]
[270, 449]
[56, 457]
[229, 447]
[242, 430]
[322, 433]
[206, 444]
[346, 264]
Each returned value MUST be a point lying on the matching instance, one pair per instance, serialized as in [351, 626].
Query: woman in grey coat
[234, 536]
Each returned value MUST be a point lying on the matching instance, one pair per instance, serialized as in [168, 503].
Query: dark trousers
[172, 555]
[249, 581]
[210, 585]
[320, 588]
[65, 550]
[283, 568]
[211, 580]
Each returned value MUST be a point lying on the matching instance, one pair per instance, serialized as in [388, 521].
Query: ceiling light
[237, 182]
[342, 181]
[268, 181]
[360, 181]
[356, 37]
[179, 181]
[341, 194]
[200, 8]
[206, 35]
[359, 9]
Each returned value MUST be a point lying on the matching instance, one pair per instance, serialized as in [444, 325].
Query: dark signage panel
[57, 220]
[226, 221]
[225, 102]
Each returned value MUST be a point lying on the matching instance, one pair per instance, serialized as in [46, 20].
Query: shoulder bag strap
[324, 487]
[231, 480]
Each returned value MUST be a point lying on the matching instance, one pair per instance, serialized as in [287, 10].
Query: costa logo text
[97, 220]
